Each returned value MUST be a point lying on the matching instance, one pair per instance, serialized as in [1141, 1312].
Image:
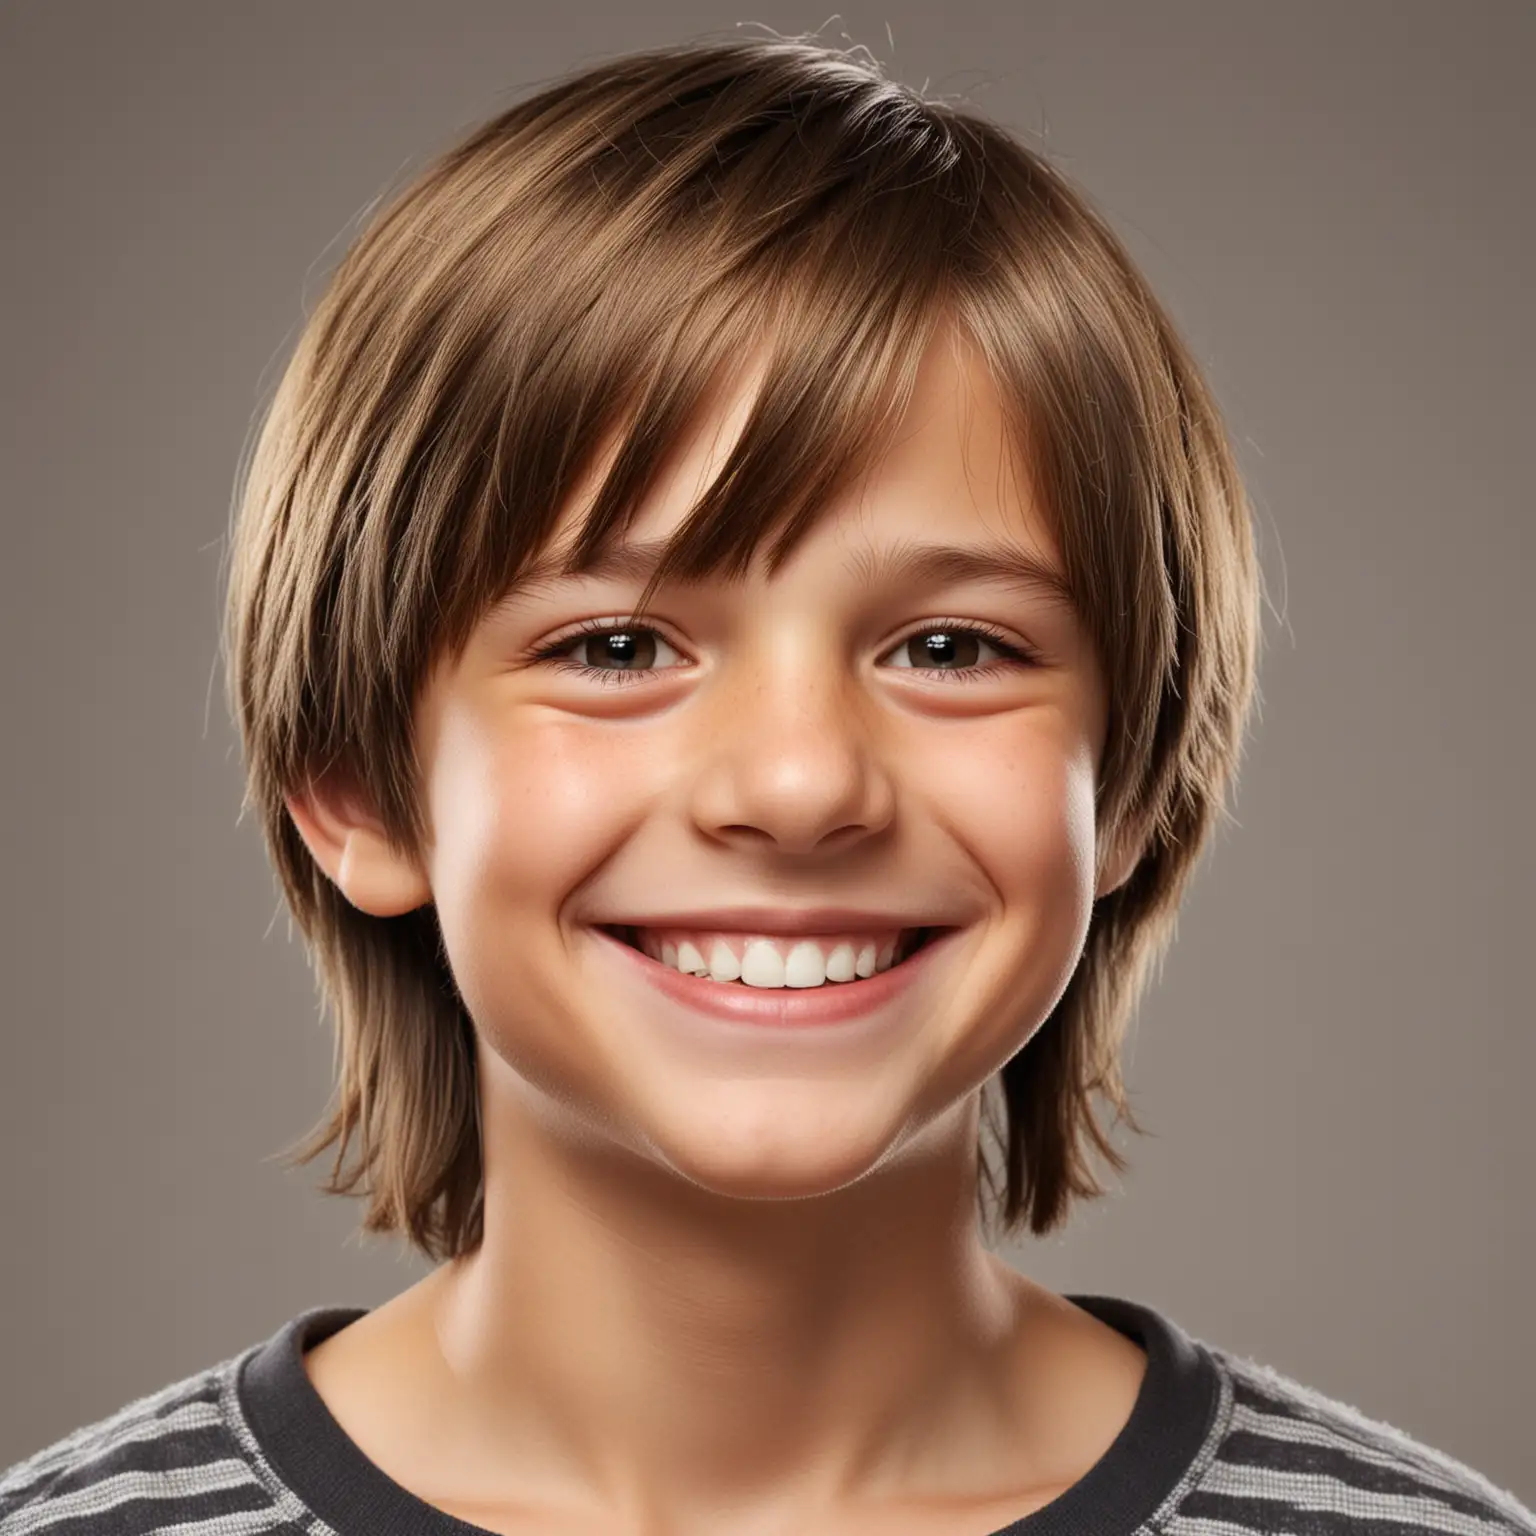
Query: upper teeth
[765, 961]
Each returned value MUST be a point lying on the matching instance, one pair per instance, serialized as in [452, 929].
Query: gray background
[1334, 200]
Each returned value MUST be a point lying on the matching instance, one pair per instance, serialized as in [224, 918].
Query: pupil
[620, 646]
[940, 645]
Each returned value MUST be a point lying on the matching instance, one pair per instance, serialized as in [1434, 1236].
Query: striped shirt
[1216, 1445]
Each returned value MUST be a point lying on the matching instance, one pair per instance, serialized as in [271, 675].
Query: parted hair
[582, 269]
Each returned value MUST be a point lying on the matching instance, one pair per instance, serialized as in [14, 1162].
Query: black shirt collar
[313, 1455]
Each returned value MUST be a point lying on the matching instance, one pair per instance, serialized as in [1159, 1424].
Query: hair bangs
[828, 390]
[827, 327]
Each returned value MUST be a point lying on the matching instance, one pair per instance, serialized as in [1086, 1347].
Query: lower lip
[834, 1002]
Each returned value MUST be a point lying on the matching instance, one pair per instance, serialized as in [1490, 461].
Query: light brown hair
[590, 262]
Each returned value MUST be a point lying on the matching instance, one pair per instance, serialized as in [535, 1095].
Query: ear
[1119, 862]
[347, 841]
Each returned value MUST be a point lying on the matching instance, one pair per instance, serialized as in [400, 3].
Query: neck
[645, 1336]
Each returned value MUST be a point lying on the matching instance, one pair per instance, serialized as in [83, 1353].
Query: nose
[792, 756]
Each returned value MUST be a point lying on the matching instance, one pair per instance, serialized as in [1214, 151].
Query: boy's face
[793, 744]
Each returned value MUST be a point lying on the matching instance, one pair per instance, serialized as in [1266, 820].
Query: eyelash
[1014, 654]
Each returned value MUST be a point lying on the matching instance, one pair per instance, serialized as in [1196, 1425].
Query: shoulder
[1283, 1456]
[180, 1457]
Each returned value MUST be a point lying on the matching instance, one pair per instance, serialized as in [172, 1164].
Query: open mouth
[908, 942]
[775, 999]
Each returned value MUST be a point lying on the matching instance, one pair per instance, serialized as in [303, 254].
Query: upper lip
[778, 920]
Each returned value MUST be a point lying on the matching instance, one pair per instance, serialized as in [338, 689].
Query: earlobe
[347, 841]
[1118, 867]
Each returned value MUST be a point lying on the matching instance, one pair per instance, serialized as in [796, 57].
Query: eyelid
[1029, 653]
[607, 625]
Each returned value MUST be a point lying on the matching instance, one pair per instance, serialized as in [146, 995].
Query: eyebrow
[907, 562]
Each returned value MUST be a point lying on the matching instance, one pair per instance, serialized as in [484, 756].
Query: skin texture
[725, 1285]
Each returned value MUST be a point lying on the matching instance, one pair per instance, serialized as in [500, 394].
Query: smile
[782, 1003]
[772, 960]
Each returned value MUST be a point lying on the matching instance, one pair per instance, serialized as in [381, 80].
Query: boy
[742, 618]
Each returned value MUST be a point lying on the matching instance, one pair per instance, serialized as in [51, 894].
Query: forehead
[946, 493]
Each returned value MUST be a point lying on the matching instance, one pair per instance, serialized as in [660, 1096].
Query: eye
[954, 642]
[633, 647]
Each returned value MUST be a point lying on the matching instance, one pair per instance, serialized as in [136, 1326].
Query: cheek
[520, 817]
[1021, 804]
[1023, 801]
